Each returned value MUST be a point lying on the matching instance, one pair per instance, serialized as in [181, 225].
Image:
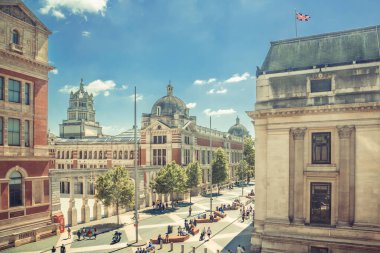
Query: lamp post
[210, 169]
[136, 177]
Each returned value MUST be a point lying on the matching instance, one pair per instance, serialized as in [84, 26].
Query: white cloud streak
[86, 34]
[219, 112]
[56, 7]
[221, 90]
[139, 97]
[203, 82]
[191, 105]
[238, 78]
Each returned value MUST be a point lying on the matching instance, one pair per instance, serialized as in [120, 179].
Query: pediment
[17, 9]
[190, 126]
[158, 125]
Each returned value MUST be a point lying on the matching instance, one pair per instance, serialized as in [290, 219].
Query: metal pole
[210, 168]
[136, 177]
[295, 22]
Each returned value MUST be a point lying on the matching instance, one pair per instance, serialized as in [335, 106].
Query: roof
[29, 18]
[169, 105]
[331, 49]
[124, 137]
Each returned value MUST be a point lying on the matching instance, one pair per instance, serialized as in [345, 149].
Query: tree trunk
[190, 195]
[217, 185]
[117, 212]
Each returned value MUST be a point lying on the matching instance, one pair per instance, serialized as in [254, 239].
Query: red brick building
[24, 157]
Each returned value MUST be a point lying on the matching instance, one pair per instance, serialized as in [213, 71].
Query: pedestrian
[53, 249]
[189, 210]
[167, 205]
[63, 249]
[195, 222]
[78, 234]
[239, 249]
[68, 232]
[243, 216]
[95, 233]
[209, 232]
[154, 204]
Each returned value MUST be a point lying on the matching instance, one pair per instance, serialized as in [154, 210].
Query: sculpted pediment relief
[17, 12]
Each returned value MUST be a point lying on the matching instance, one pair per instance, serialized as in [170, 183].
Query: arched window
[158, 110]
[15, 37]
[90, 155]
[120, 155]
[95, 155]
[80, 154]
[125, 154]
[63, 155]
[72, 154]
[67, 155]
[58, 154]
[15, 189]
[105, 155]
[100, 155]
[131, 155]
[114, 155]
[85, 155]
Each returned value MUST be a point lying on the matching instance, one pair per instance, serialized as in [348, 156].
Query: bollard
[218, 251]
[171, 246]
[193, 249]
[160, 244]
[205, 250]
[182, 248]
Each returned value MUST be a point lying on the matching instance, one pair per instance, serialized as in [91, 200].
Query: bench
[207, 220]
[194, 230]
[220, 214]
[173, 238]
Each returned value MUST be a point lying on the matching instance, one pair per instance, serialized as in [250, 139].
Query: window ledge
[321, 167]
[16, 48]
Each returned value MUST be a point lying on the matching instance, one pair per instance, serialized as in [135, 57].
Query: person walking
[209, 232]
[189, 211]
[63, 249]
[53, 250]
[239, 249]
[95, 233]
[78, 234]
[68, 233]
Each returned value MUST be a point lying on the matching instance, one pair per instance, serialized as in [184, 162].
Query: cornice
[43, 66]
[299, 111]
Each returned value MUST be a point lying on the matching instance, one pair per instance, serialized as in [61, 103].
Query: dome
[238, 129]
[169, 105]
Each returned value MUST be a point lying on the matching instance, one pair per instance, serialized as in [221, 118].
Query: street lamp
[136, 177]
[210, 169]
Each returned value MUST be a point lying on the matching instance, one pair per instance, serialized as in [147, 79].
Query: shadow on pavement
[242, 239]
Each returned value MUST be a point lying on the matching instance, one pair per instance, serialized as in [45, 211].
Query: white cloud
[95, 88]
[54, 71]
[237, 78]
[203, 82]
[219, 112]
[221, 90]
[86, 34]
[139, 97]
[124, 87]
[56, 7]
[191, 105]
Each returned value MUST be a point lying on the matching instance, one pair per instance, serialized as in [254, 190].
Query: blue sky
[209, 49]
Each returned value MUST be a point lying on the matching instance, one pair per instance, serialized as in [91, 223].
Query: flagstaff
[136, 175]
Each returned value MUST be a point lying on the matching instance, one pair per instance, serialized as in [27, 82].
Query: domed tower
[238, 129]
[169, 109]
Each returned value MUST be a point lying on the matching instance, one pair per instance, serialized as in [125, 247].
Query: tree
[249, 156]
[219, 167]
[194, 175]
[170, 178]
[115, 188]
[242, 170]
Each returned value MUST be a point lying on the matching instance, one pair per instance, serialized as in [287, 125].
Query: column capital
[345, 131]
[298, 133]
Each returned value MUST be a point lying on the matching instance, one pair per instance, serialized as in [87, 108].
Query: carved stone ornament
[320, 76]
[298, 133]
[345, 131]
[16, 12]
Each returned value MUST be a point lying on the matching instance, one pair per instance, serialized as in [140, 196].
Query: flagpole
[136, 176]
[295, 22]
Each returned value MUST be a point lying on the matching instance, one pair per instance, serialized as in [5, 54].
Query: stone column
[85, 210]
[72, 212]
[297, 171]
[55, 192]
[97, 209]
[346, 193]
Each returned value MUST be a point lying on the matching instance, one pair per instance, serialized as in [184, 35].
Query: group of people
[204, 232]
[62, 249]
[149, 248]
[89, 233]
[246, 213]
[160, 206]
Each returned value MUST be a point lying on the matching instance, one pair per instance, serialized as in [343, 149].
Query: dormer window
[158, 110]
[15, 37]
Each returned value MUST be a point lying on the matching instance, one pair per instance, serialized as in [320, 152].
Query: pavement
[228, 233]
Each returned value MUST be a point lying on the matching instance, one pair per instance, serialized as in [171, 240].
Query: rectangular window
[14, 89]
[161, 139]
[1, 88]
[321, 148]
[13, 132]
[159, 156]
[1, 131]
[186, 156]
[318, 250]
[27, 94]
[320, 85]
[26, 133]
[320, 203]
[187, 140]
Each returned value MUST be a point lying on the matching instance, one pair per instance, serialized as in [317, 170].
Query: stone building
[167, 134]
[317, 125]
[80, 121]
[24, 156]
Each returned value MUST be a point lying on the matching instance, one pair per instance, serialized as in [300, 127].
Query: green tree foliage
[170, 178]
[219, 167]
[249, 156]
[194, 175]
[115, 188]
[242, 170]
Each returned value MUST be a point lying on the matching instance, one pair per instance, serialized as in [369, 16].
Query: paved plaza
[226, 234]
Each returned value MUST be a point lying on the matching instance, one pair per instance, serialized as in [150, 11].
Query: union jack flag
[302, 17]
